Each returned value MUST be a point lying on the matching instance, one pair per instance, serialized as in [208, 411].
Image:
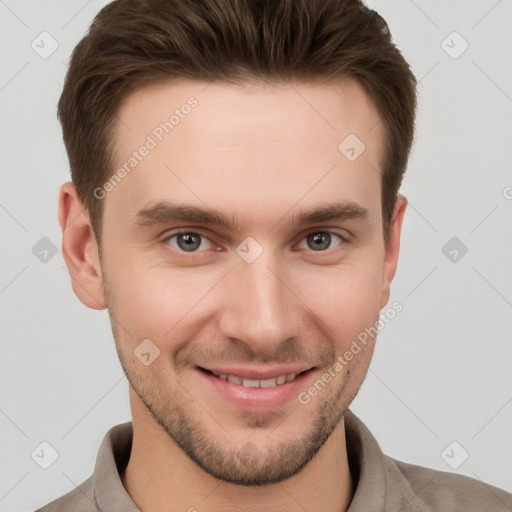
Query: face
[247, 250]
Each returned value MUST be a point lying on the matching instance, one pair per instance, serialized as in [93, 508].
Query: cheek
[157, 301]
[346, 302]
[149, 305]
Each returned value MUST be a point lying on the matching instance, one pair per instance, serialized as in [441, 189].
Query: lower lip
[257, 399]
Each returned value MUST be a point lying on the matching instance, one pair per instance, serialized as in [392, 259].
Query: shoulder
[80, 499]
[442, 491]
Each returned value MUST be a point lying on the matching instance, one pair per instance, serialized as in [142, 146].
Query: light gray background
[441, 371]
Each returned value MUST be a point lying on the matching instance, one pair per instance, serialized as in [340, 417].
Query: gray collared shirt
[382, 484]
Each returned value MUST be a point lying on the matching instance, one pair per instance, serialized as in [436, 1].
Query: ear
[80, 249]
[392, 248]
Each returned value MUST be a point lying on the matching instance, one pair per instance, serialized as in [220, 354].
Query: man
[234, 204]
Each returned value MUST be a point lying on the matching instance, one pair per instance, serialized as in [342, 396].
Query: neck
[161, 477]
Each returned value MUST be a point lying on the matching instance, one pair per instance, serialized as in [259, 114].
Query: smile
[254, 388]
[253, 383]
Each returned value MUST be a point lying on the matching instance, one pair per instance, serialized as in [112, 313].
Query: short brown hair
[133, 43]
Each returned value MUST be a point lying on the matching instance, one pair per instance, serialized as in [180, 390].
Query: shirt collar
[113, 456]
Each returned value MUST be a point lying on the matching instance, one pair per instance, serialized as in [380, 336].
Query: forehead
[238, 110]
[246, 146]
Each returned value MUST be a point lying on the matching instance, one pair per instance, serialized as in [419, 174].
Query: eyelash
[198, 254]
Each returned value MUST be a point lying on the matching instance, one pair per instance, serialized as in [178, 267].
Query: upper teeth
[252, 383]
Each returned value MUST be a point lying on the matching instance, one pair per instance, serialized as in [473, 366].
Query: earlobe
[80, 249]
[392, 248]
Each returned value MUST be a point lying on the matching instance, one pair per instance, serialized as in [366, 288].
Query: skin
[258, 153]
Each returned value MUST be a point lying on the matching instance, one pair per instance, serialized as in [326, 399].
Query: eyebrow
[165, 212]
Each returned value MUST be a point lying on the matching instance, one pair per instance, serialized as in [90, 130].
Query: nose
[260, 307]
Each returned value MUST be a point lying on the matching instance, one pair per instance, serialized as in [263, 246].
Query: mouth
[257, 383]
[255, 390]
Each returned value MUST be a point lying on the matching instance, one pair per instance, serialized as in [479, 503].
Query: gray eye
[320, 240]
[188, 241]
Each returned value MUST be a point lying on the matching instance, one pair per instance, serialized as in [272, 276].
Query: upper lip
[255, 373]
